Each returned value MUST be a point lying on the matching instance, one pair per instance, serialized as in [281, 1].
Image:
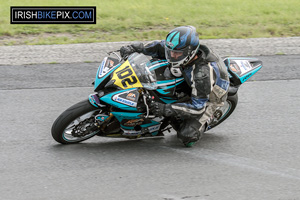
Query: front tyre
[76, 124]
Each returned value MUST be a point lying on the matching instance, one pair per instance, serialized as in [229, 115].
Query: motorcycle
[123, 89]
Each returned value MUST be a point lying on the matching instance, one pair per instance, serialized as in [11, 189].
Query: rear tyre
[76, 124]
[225, 111]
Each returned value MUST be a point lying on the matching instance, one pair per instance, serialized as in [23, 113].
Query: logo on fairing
[131, 96]
[154, 128]
[134, 122]
[124, 101]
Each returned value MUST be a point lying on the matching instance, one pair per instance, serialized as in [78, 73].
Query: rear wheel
[225, 111]
[76, 124]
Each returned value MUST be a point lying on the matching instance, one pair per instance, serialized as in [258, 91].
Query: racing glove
[125, 51]
[160, 109]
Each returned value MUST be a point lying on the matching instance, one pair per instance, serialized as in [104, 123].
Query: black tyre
[79, 118]
[225, 111]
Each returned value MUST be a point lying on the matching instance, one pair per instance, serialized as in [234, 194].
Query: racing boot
[190, 132]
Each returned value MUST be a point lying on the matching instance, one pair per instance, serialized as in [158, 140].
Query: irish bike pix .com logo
[52, 15]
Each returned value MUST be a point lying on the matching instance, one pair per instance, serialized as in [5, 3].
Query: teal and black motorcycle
[123, 89]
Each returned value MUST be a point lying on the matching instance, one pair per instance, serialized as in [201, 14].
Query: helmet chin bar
[192, 55]
[175, 71]
[186, 61]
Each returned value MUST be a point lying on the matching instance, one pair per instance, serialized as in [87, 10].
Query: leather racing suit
[208, 78]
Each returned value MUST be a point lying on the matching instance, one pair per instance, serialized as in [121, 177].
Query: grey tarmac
[252, 155]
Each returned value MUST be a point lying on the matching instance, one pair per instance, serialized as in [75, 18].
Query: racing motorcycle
[123, 90]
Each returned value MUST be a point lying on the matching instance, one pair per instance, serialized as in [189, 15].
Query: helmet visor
[176, 56]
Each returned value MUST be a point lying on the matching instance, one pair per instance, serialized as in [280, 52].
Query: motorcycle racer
[203, 70]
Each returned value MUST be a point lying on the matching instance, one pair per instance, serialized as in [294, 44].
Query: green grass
[130, 20]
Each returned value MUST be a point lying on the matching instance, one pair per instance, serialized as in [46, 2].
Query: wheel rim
[67, 133]
[225, 109]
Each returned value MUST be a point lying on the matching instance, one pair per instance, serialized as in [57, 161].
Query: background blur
[142, 20]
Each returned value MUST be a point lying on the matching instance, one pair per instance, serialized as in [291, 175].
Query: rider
[202, 69]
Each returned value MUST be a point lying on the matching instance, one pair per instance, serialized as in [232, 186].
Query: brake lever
[147, 100]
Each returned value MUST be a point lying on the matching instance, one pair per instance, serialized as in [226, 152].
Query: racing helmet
[181, 45]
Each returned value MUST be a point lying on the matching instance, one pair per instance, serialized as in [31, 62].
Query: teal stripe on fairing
[172, 81]
[158, 66]
[167, 101]
[150, 124]
[162, 90]
[248, 75]
[159, 61]
[164, 82]
[126, 115]
[127, 127]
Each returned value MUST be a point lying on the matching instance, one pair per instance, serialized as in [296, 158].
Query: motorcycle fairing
[168, 100]
[241, 69]
[167, 87]
[126, 115]
[105, 69]
[158, 64]
[133, 125]
[122, 99]
[101, 117]
[169, 82]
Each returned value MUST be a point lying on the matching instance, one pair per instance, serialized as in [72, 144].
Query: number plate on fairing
[125, 77]
[241, 69]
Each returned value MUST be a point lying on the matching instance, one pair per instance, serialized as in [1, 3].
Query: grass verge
[119, 20]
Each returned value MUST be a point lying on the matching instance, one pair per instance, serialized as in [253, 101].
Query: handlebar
[115, 52]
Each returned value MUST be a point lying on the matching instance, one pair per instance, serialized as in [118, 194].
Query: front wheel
[76, 124]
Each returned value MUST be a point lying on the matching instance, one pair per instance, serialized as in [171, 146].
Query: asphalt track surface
[252, 155]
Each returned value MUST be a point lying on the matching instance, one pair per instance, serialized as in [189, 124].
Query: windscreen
[141, 64]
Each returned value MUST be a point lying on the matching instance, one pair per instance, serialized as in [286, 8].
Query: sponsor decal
[134, 122]
[131, 96]
[234, 68]
[111, 63]
[246, 77]
[124, 101]
[154, 128]
[131, 133]
[128, 98]
[244, 66]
